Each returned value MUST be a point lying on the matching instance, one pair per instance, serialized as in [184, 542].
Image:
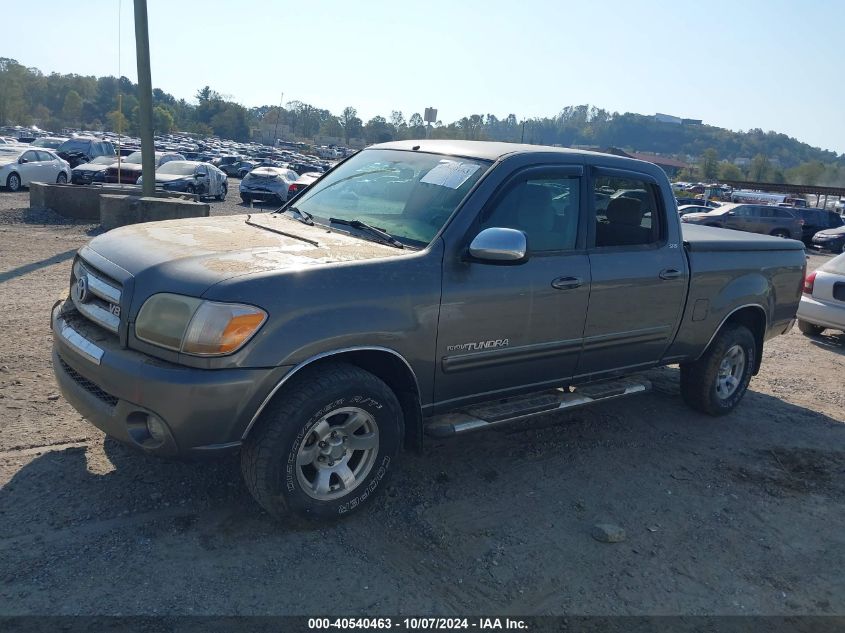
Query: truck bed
[699, 238]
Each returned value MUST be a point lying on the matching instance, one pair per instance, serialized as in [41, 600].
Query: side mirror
[22, 161]
[499, 245]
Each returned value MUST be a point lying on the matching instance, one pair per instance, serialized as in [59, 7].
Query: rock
[53, 396]
[608, 533]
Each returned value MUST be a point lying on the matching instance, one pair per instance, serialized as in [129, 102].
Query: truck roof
[484, 150]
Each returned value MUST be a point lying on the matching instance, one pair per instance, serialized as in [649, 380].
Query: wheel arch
[387, 364]
[753, 316]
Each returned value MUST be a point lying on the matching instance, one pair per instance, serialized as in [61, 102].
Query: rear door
[639, 276]
[513, 327]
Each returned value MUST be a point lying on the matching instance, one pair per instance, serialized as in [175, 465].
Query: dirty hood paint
[199, 252]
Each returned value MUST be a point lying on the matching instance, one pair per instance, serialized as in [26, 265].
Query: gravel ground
[736, 515]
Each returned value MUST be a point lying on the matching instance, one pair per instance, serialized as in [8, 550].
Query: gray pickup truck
[418, 288]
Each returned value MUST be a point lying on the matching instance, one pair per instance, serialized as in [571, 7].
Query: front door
[30, 170]
[511, 327]
[639, 276]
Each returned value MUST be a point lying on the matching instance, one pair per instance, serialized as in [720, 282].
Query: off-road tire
[809, 329]
[699, 378]
[269, 454]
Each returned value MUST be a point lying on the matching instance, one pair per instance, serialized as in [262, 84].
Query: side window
[744, 212]
[834, 219]
[782, 213]
[627, 212]
[544, 208]
[44, 156]
[31, 156]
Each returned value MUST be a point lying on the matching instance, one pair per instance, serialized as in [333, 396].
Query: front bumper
[119, 390]
[834, 245]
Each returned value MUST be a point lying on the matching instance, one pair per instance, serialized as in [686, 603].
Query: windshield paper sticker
[450, 173]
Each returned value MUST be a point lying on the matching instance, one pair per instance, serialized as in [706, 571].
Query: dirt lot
[738, 515]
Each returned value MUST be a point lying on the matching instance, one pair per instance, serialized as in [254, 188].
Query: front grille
[97, 298]
[88, 386]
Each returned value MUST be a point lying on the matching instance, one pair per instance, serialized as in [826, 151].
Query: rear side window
[45, 156]
[544, 208]
[744, 212]
[782, 213]
[627, 212]
[834, 219]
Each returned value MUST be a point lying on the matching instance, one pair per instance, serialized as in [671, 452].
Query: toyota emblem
[82, 289]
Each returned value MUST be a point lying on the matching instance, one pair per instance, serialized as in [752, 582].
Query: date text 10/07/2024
[416, 624]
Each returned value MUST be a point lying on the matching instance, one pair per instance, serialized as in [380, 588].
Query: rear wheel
[61, 179]
[190, 189]
[246, 198]
[325, 445]
[13, 182]
[717, 381]
[223, 191]
[780, 233]
[810, 329]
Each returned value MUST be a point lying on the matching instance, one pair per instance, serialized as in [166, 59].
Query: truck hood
[189, 256]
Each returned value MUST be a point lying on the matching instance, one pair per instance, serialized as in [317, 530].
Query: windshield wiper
[381, 234]
[302, 216]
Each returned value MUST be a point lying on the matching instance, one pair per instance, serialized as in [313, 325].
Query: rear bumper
[120, 391]
[821, 313]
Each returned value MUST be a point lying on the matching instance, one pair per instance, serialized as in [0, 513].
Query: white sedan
[20, 166]
[823, 301]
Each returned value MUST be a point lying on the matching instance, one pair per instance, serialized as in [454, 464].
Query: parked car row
[797, 223]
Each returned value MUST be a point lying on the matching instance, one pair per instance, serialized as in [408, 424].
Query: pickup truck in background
[418, 288]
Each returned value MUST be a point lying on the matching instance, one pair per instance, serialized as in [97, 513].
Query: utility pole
[145, 99]
[522, 140]
[278, 116]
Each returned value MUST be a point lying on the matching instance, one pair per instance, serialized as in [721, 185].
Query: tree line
[57, 101]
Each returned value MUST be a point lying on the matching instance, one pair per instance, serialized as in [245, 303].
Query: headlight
[197, 327]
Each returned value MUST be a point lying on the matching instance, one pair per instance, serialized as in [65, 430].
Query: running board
[516, 409]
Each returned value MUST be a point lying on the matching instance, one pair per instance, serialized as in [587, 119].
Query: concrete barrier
[117, 210]
[82, 202]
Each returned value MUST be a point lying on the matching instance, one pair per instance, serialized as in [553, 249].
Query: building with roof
[671, 166]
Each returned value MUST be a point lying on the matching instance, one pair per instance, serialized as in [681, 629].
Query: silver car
[269, 184]
[823, 301]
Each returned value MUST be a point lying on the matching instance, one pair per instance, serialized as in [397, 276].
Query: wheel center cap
[334, 447]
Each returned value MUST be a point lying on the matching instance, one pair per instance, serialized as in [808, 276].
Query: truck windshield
[410, 195]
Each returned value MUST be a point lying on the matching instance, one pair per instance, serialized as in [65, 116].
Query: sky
[738, 64]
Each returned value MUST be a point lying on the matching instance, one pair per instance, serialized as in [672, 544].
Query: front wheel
[223, 191]
[13, 182]
[809, 329]
[717, 381]
[246, 199]
[61, 179]
[325, 445]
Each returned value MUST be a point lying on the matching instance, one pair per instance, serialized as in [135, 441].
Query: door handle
[670, 273]
[567, 283]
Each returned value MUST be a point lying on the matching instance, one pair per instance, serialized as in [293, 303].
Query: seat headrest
[627, 211]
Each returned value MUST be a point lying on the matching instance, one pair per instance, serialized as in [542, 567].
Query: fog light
[156, 429]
